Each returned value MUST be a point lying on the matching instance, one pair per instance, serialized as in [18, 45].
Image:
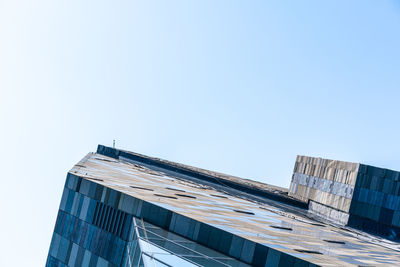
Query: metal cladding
[124, 209]
[353, 194]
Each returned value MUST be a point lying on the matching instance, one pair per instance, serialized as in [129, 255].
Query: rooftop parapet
[251, 188]
[354, 194]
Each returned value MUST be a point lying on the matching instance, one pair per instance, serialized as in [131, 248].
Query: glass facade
[115, 212]
[91, 231]
[159, 247]
[168, 248]
[376, 201]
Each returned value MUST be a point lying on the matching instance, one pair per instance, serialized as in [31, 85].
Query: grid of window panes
[376, 201]
[159, 247]
[90, 232]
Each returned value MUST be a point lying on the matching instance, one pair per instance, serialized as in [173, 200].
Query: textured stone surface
[354, 194]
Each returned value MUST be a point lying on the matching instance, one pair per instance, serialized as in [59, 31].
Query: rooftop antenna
[113, 143]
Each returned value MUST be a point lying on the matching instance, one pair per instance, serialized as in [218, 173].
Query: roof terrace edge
[362, 167]
[254, 188]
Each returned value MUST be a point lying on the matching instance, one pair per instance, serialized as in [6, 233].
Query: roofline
[206, 176]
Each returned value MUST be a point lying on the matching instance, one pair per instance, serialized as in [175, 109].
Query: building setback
[121, 208]
[353, 194]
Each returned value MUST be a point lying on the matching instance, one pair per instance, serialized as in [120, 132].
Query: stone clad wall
[353, 194]
[327, 182]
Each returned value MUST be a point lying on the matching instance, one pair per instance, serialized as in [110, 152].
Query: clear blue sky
[240, 87]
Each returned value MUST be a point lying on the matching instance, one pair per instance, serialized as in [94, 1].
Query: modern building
[353, 194]
[121, 208]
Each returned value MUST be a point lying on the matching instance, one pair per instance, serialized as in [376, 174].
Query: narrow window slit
[142, 188]
[100, 180]
[317, 224]
[308, 251]
[244, 212]
[165, 196]
[218, 196]
[335, 242]
[281, 227]
[183, 195]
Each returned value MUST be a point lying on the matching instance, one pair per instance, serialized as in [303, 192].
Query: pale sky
[240, 87]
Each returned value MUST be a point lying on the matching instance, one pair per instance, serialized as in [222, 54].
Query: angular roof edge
[350, 165]
[254, 188]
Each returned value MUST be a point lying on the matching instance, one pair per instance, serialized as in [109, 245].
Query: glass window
[160, 247]
[153, 255]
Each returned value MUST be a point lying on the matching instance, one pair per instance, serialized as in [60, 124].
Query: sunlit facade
[120, 208]
[361, 196]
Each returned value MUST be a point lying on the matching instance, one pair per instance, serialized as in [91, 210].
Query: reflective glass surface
[162, 248]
